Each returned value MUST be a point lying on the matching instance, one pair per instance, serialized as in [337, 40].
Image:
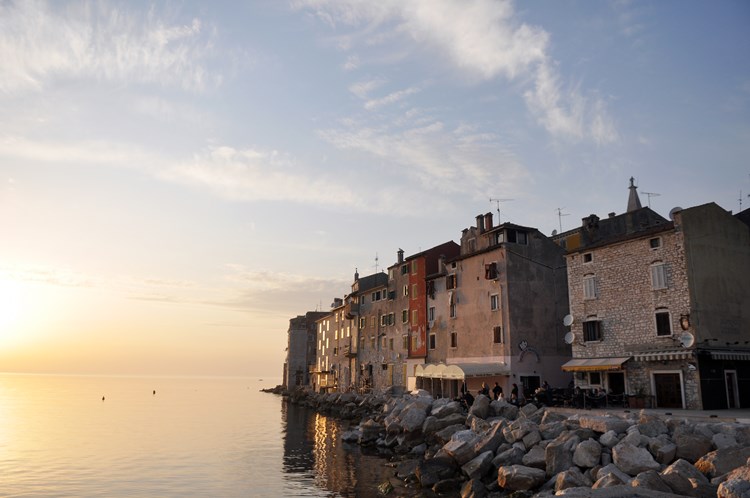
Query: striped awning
[730, 355]
[664, 355]
[594, 364]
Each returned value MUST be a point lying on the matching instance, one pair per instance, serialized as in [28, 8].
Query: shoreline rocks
[498, 449]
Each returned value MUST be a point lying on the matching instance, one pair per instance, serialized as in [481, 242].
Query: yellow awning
[594, 364]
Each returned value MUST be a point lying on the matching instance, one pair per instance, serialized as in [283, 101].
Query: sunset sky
[179, 179]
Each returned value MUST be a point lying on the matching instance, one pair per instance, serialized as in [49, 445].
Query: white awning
[461, 371]
[594, 364]
[681, 354]
[730, 355]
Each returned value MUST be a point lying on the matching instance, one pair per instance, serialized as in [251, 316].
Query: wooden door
[668, 390]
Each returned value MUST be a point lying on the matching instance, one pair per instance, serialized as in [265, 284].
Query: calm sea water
[196, 437]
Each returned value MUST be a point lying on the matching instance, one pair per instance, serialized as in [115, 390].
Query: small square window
[595, 378]
[588, 257]
[663, 323]
[494, 302]
[592, 331]
[654, 243]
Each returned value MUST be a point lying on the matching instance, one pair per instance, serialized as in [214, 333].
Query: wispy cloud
[40, 41]
[484, 39]
[62, 277]
[390, 98]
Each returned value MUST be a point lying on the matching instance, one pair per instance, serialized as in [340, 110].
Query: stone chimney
[633, 201]
[400, 256]
[480, 223]
[488, 221]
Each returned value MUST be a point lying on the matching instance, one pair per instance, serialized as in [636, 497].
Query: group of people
[516, 395]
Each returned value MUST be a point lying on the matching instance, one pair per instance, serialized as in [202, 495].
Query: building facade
[660, 309]
[301, 349]
[494, 312]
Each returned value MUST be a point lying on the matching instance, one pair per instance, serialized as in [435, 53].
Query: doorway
[733, 394]
[668, 390]
[616, 382]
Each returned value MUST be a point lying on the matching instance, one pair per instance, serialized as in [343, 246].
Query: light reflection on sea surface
[194, 437]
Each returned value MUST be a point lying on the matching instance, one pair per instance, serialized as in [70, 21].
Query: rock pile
[498, 449]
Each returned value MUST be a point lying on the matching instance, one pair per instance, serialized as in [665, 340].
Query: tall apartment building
[495, 312]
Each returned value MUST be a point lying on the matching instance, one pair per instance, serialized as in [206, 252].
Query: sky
[179, 179]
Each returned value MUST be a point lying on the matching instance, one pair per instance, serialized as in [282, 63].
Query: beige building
[300, 352]
[660, 308]
[495, 311]
[333, 367]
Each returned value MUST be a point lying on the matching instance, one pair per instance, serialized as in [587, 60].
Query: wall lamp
[685, 322]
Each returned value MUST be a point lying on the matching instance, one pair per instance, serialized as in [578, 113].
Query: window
[494, 302]
[490, 271]
[383, 320]
[432, 341]
[588, 257]
[405, 342]
[335, 350]
[452, 310]
[414, 267]
[414, 317]
[362, 322]
[589, 287]
[391, 319]
[382, 343]
[658, 276]
[404, 316]
[654, 243]
[499, 237]
[431, 289]
[454, 340]
[404, 269]
[517, 237]
[450, 281]
[497, 334]
[431, 314]
[595, 378]
[663, 323]
[391, 295]
[372, 322]
[592, 330]
[390, 343]
[406, 290]
[413, 291]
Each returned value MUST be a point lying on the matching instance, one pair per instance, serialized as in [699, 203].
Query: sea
[113, 436]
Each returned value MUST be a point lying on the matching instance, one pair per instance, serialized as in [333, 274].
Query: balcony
[352, 310]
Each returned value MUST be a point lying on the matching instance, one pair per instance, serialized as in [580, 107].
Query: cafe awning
[594, 364]
[461, 371]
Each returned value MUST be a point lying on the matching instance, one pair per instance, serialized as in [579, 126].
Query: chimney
[612, 214]
[480, 223]
[400, 255]
[356, 274]
[488, 221]
[441, 263]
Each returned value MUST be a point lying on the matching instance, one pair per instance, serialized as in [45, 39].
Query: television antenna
[376, 262]
[497, 202]
[560, 214]
[650, 195]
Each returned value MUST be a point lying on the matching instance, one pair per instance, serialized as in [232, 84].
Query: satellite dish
[686, 339]
[674, 210]
[568, 320]
[569, 337]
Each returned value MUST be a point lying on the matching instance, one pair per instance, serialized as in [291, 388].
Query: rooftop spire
[633, 201]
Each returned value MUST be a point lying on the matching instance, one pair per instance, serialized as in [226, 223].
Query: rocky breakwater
[498, 449]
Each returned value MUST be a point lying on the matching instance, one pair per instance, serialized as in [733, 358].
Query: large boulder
[535, 457]
[633, 460]
[650, 480]
[587, 454]
[443, 409]
[481, 407]
[518, 477]
[434, 424]
[692, 446]
[430, 472]
[724, 441]
[461, 446]
[491, 439]
[571, 478]
[603, 424]
[444, 435]
[678, 476]
[504, 410]
[412, 418]
[736, 484]
[651, 425]
[478, 466]
[720, 462]
[609, 439]
[473, 488]
[559, 453]
[511, 456]
[613, 469]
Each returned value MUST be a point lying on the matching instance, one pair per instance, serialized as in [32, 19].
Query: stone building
[494, 312]
[660, 309]
[300, 351]
[368, 303]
